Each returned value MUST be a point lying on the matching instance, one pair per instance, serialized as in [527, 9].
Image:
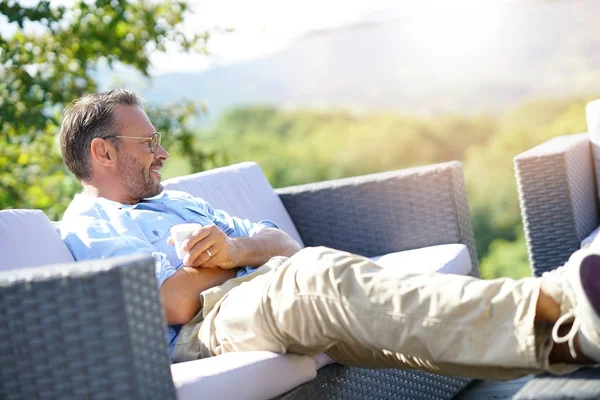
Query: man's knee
[323, 272]
[318, 255]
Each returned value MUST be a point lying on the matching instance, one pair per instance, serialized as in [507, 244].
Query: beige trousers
[324, 300]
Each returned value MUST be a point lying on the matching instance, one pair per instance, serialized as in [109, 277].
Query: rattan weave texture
[387, 212]
[557, 194]
[70, 332]
[335, 382]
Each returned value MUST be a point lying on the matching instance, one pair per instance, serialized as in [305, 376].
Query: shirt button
[155, 233]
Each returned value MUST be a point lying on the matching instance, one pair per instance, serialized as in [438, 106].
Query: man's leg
[365, 315]
[547, 313]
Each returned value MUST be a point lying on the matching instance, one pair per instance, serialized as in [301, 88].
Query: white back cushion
[28, 239]
[240, 189]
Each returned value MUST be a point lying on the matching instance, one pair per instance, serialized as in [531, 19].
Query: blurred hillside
[424, 64]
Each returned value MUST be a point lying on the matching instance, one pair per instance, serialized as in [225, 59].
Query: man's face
[138, 169]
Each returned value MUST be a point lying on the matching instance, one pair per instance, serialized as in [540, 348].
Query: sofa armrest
[84, 330]
[386, 212]
[557, 195]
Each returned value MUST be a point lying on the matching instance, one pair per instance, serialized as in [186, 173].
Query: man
[316, 299]
[110, 145]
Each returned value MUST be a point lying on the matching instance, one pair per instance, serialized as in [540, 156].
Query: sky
[260, 27]
[265, 26]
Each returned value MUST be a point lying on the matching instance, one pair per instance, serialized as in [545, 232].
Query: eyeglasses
[153, 141]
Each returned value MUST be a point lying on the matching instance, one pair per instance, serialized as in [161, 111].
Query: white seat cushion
[240, 189]
[245, 375]
[445, 258]
[29, 240]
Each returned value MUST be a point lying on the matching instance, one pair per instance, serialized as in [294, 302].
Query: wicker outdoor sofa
[95, 329]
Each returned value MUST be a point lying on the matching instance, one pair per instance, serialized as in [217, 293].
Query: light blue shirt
[94, 227]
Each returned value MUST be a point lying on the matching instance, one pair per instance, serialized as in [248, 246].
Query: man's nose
[161, 153]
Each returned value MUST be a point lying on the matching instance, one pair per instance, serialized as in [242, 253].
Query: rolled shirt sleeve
[164, 269]
[260, 225]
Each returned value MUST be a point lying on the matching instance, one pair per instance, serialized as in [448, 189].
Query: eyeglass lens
[155, 141]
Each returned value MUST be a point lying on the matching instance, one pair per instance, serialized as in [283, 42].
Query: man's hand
[209, 247]
[227, 252]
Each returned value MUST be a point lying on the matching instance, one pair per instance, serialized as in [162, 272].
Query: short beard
[138, 181]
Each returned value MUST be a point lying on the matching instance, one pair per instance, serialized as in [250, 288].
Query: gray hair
[87, 118]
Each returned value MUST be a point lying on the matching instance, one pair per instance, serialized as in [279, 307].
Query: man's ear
[103, 152]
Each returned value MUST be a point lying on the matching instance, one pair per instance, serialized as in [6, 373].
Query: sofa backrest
[240, 189]
[28, 239]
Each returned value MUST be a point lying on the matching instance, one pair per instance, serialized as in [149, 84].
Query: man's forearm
[181, 292]
[260, 248]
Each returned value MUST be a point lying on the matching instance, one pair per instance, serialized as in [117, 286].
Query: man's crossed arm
[181, 292]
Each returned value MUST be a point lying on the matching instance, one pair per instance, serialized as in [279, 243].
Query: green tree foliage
[50, 60]
[506, 258]
[307, 145]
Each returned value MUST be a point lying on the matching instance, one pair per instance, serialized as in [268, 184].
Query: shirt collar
[86, 198]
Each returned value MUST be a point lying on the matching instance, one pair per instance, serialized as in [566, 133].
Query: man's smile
[156, 170]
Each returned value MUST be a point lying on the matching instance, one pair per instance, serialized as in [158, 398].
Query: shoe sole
[585, 281]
